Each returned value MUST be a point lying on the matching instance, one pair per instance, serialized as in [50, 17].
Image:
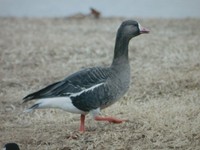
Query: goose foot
[109, 119]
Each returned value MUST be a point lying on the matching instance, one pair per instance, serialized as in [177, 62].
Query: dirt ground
[162, 104]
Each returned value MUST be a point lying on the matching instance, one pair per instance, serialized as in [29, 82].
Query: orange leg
[110, 119]
[82, 125]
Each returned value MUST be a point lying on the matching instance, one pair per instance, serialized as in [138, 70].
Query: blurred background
[108, 8]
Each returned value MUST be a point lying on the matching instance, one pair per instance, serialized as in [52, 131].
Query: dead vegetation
[162, 105]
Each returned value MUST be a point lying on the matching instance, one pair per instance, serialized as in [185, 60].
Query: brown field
[162, 105]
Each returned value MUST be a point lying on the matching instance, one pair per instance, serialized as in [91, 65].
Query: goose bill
[142, 29]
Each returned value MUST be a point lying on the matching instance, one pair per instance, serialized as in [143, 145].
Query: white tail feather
[64, 103]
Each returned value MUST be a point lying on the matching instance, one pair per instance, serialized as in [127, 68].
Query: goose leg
[82, 125]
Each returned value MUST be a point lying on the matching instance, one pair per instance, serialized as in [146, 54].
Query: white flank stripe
[85, 90]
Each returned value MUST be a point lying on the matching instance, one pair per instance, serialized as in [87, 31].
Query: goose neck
[121, 50]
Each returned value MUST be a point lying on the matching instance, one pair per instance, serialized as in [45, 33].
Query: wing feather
[74, 83]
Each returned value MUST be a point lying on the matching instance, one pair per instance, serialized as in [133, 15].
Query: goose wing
[73, 85]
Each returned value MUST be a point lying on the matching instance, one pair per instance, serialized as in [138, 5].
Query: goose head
[130, 29]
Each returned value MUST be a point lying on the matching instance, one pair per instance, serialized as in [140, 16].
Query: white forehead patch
[140, 27]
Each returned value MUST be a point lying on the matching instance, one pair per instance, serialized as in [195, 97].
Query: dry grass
[162, 105]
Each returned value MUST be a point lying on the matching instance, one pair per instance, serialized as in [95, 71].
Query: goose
[11, 146]
[90, 90]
